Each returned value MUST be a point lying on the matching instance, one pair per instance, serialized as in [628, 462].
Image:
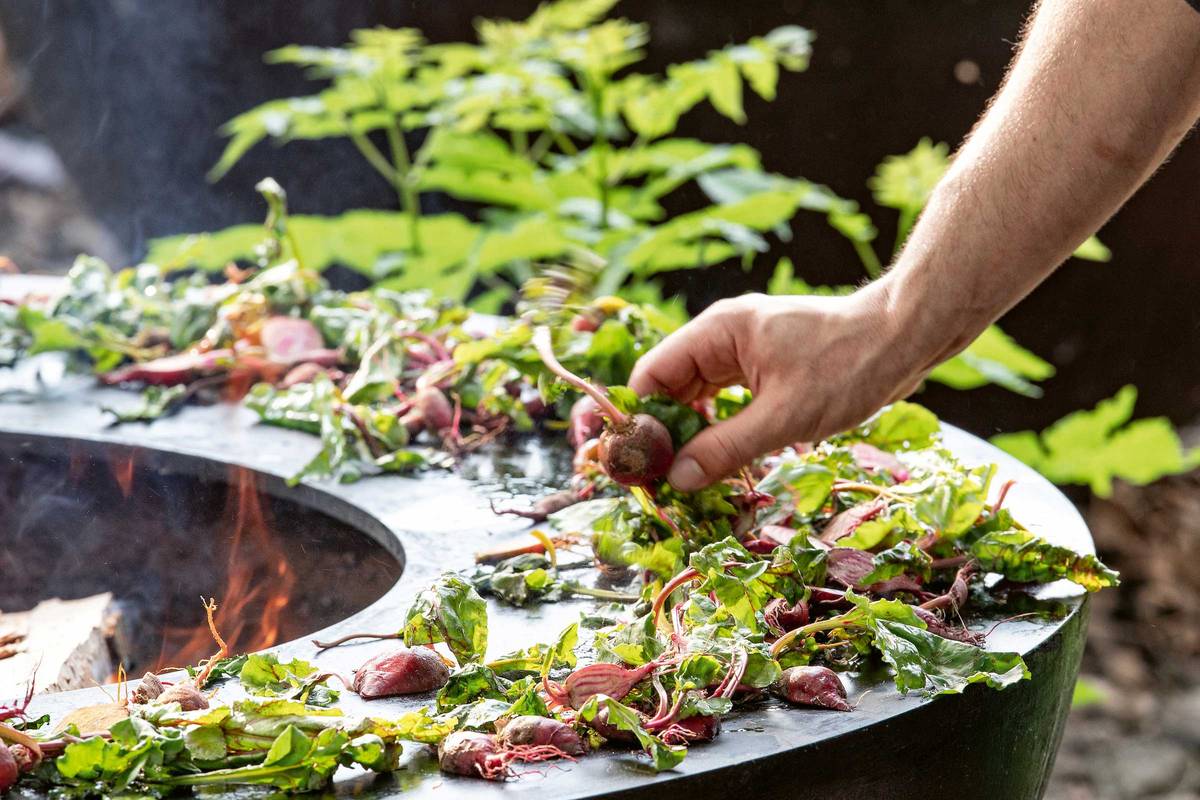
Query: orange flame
[258, 587]
[122, 472]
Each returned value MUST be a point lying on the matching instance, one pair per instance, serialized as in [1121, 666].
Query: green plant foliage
[1094, 447]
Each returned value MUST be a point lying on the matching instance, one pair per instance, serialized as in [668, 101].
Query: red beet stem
[545, 348]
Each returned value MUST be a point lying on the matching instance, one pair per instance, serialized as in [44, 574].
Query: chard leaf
[807, 486]
[622, 717]
[903, 559]
[1020, 556]
[935, 665]
[472, 682]
[900, 426]
[265, 674]
[156, 402]
[449, 611]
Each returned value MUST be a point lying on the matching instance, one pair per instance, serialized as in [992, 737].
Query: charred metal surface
[981, 744]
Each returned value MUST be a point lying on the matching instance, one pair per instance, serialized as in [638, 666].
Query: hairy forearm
[1100, 94]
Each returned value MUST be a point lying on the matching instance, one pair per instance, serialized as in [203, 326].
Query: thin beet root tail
[349, 637]
[533, 753]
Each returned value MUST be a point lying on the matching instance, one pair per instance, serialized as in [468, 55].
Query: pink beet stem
[545, 349]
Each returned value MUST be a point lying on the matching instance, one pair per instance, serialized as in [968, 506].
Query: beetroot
[288, 340]
[696, 728]
[170, 370]
[431, 410]
[634, 450]
[781, 617]
[400, 671]
[541, 731]
[638, 452]
[819, 687]
[186, 694]
[586, 421]
[471, 753]
[483, 755]
[9, 771]
[610, 732]
[600, 678]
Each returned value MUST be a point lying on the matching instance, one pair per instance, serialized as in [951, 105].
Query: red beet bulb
[9, 771]
[401, 671]
[531, 730]
[635, 450]
[819, 687]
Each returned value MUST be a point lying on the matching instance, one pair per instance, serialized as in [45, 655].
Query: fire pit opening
[79, 519]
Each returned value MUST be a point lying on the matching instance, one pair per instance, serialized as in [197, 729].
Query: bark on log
[65, 641]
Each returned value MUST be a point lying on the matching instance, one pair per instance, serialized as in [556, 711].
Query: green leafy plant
[544, 123]
[1094, 447]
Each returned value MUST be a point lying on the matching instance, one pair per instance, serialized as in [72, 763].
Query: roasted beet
[186, 694]
[288, 340]
[401, 671]
[637, 452]
[542, 731]
[9, 771]
[819, 687]
[586, 421]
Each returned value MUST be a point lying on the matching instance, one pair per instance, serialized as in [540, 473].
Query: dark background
[131, 92]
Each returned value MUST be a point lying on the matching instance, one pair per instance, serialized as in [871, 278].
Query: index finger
[688, 362]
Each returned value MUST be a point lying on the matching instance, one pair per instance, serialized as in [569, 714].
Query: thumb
[719, 450]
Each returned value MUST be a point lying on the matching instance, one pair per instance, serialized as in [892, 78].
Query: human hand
[816, 366]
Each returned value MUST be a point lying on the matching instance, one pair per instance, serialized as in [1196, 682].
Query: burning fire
[258, 585]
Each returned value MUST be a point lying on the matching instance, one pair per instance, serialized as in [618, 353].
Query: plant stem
[352, 636]
[545, 348]
[601, 147]
[908, 216]
[410, 198]
[870, 261]
[375, 158]
[601, 594]
[521, 142]
[840, 621]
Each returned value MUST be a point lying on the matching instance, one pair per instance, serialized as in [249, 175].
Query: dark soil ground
[1135, 732]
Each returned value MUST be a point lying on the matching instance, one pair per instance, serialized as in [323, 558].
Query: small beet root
[819, 687]
[288, 339]
[610, 732]
[402, 671]
[696, 728]
[186, 694]
[781, 617]
[587, 422]
[473, 754]
[637, 453]
[431, 411]
[9, 771]
[531, 730]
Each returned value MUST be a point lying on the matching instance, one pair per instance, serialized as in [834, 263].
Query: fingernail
[686, 475]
